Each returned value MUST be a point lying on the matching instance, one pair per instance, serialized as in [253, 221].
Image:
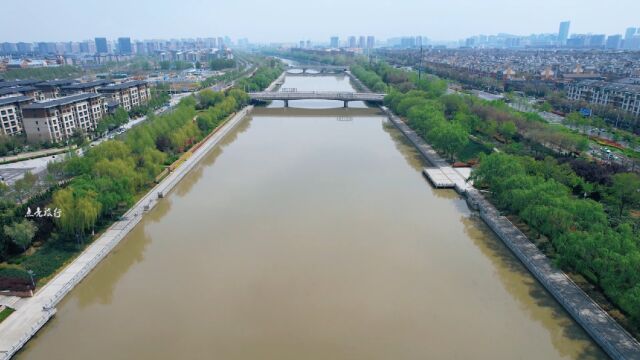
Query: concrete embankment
[604, 330]
[18, 328]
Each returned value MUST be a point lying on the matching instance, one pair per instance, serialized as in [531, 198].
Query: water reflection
[310, 238]
[531, 296]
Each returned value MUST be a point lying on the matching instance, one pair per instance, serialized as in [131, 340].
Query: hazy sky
[289, 20]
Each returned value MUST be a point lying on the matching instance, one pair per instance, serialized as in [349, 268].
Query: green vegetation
[262, 78]
[582, 214]
[219, 64]
[5, 313]
[581, 231]
[99, 187]
[175, 65]
[44, 73]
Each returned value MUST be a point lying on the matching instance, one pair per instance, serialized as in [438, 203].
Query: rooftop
[13, 99]
[86, 85]
[61, 101]
[15, 90]
[122, 86]
[611, 85]
[14, 83]
[49, 83]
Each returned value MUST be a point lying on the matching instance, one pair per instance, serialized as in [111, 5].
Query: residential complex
[11, 114]
[52, 110]
[58, 119]
[127, 94]
[623, 95]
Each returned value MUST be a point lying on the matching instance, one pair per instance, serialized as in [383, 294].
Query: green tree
[24, 186]
[624, 192]
[21, 233]
[450, 138]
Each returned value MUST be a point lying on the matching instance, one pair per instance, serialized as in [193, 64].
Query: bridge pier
[346, 104]
[286, 103]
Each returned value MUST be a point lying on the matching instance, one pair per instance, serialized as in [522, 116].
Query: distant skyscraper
[362, 42]
[101, 45]
[629, 33]
[614, 42]
[124, 45]
[371, 42]
[563, 33]
[335, 42]
[628, 37]
[352, 42]
[301, 44]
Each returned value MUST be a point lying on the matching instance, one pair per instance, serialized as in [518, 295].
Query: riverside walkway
[34, 312]
[604, 330]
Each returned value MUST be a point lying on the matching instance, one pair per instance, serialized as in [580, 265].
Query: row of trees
[579, 229]
[93, 190]
[43, 73]
[591, 221]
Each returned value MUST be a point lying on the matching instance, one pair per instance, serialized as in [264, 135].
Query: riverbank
[18, 328]
[605, 331]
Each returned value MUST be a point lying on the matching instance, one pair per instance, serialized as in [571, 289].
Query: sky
[291, 21]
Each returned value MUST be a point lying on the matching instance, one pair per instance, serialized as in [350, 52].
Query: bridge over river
[286, 96]
[319, 68]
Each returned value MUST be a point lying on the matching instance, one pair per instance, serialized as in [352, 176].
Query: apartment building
[127, 94]
[11, 113]
[52, 89]
[621, 95]
[84, 87]
[58, 119]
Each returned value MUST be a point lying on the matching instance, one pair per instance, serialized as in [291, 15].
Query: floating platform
[446, 177]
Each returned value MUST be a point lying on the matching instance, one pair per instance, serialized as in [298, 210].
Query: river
[310, 233]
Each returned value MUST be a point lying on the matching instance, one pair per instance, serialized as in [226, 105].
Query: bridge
[286, 96]
[322, 69]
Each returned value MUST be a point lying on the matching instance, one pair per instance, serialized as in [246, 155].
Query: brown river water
[310, 233]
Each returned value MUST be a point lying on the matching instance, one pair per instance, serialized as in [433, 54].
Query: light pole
[31, 273]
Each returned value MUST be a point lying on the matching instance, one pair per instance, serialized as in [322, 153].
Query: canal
[310, 234]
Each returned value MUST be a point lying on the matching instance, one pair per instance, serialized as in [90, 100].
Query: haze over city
[290, 20]
[320, 179]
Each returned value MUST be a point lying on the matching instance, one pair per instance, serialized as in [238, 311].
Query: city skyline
[454, 21]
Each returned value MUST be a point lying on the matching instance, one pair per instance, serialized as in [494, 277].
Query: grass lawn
[5, 313]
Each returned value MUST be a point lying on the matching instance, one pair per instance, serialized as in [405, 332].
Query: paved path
[34, 312]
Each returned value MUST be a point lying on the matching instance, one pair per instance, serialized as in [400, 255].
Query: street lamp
[31, 273]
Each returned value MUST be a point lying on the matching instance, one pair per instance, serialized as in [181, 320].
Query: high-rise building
[335, 42]
[23, 47]
[352, 42]
[301, 44]
[362, 42]
[597, 41]
[371, 42]
[628, 37]
[101, 45]
[563, 32]
[614, 42]
[124, 45]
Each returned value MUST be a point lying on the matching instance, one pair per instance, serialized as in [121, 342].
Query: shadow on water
[101, 284]
[414, 159]
[196, 173]
[529, 293]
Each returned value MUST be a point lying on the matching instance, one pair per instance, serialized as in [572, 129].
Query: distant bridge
[315, 95]
[319, 68]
